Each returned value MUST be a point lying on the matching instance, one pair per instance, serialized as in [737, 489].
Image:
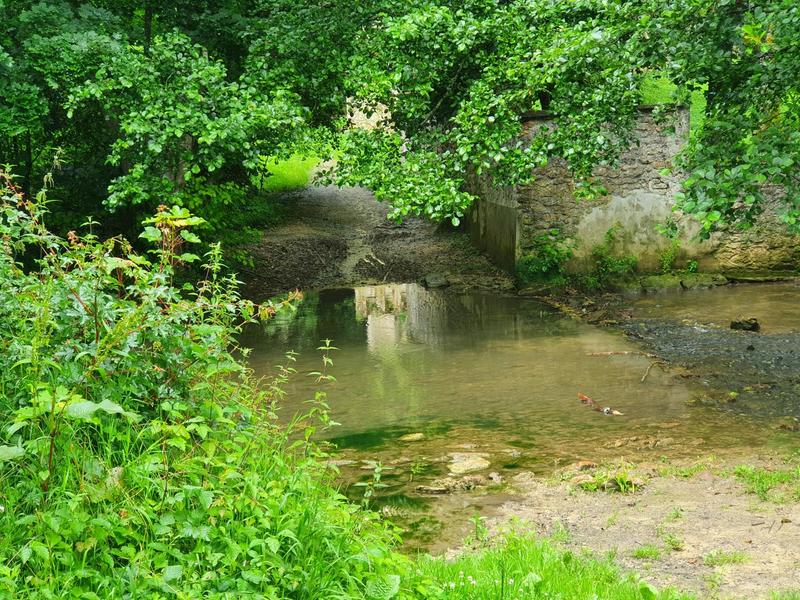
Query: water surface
[489, 375]
[503, 370]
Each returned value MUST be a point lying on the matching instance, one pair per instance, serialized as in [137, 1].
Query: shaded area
[334, 237]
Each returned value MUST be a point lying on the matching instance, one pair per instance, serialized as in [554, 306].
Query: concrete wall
[639, 199]
[494, 223]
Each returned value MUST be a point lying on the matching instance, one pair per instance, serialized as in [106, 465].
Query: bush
[139, 457]
[607, 266]
[545, 260]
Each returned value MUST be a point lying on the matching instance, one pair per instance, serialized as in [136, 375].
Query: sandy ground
[687, 519]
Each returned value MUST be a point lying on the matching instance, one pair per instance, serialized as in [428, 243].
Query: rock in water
[750, 324]
[412, 437]
[435, 280]
[465, 462]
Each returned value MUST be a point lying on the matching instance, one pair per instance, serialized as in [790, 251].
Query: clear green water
[775, 305]
[486, 374]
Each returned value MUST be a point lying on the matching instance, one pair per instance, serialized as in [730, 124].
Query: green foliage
[770, 484]
[669, 255]
[138, 456]
[607, 266]
[647, 552]
[545, 259]
[142, 97]
[522, 566]
[613, 480]
[179, 117]
[719, 558]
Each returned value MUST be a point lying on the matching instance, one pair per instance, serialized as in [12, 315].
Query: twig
[647, 371]
[622, 353]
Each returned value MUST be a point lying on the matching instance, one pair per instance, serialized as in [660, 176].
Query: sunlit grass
[527, 567]
[289, 174]
[770, 484]
[721, 557]
[647, 552]
[659, 90]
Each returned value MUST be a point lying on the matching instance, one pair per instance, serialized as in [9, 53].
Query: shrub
[607, 265]
[138, 455]
[545, 259]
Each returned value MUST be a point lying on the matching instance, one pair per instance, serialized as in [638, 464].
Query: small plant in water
[480, 532]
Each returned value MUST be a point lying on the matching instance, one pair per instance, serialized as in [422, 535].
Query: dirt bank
[340, 237]
[697, 530]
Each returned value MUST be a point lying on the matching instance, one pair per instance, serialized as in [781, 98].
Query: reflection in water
[482, 366]
[774, 305]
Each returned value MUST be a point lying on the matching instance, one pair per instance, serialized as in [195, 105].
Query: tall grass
[522, 566]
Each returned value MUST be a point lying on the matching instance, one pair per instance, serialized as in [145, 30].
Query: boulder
[448, 485]
[750, 324]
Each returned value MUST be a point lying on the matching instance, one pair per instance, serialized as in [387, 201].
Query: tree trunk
[27, 172]
[148, 25]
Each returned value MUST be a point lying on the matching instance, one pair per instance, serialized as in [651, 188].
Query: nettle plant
[138, 455]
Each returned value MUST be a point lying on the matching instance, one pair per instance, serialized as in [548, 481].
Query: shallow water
[775, 305]
[485, 374]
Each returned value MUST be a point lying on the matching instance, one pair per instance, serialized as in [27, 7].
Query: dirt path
[339, 237]
[703, 533]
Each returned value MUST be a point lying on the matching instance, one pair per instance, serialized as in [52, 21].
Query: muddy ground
[340, 237]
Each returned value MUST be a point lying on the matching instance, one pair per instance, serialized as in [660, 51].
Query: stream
[434, 385]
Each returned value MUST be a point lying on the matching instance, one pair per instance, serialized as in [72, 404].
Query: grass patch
[612, 481]
[290, 174]
[527, 567]
[768, 484]
[719, 558]
[647, 552]
[688, 471]
[673, 542]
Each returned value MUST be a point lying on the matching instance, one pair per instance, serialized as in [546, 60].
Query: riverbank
[340, 237]
[463, 404]
[699, 526]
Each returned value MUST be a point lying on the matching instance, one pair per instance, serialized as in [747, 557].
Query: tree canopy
[146, 103]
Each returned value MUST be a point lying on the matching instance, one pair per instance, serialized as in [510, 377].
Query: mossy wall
[506, 221]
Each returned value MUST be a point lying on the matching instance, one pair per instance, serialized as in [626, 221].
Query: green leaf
[190, 237]
[384, 588]
[86, 409]
[172, 572]
[11, 453]
[151, 234]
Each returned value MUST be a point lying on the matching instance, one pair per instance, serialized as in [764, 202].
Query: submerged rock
[467, 462]
[448, 485]
[582, 465]
[750, 324]
[412, 437]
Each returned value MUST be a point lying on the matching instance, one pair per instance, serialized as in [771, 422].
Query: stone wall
[506, 221]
